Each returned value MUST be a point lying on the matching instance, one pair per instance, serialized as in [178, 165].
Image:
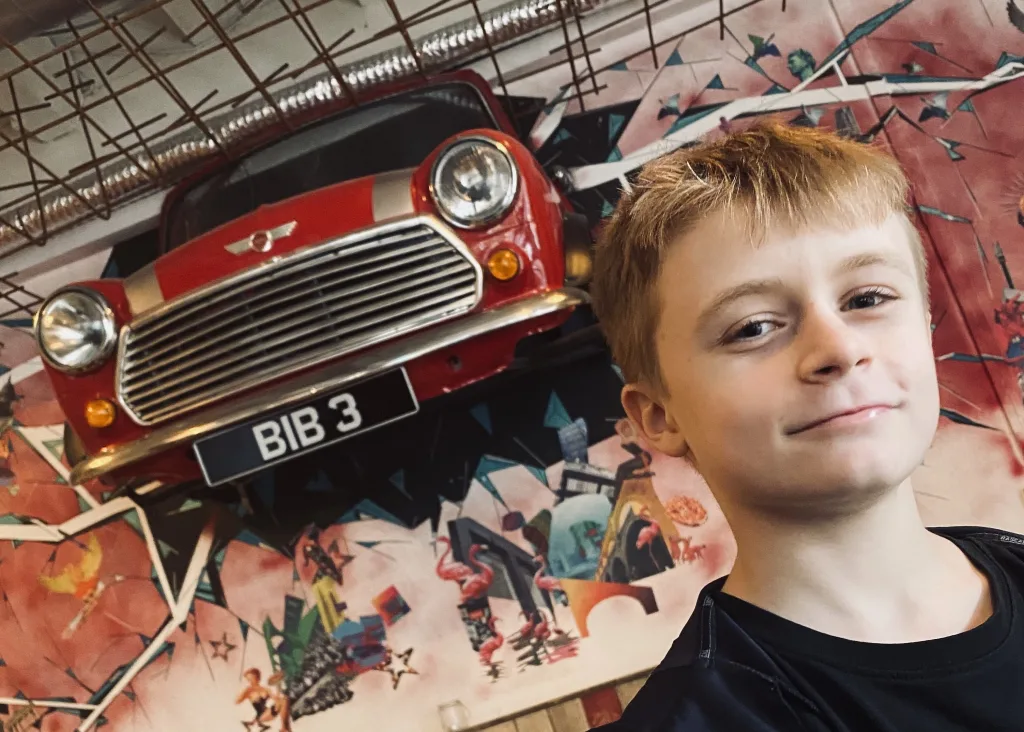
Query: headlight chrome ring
[87, 330]
[492, 174]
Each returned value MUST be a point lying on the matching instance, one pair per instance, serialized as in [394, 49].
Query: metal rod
[403, 29]
[568, 53]
[200, 5]
[650, 32]
[88, 141]
[28, 153]
[46, 80]
[199, 28]
[313, 38]
[117, 102]
[158, 76]
[145, 42]
[490, 48]
[586, 51]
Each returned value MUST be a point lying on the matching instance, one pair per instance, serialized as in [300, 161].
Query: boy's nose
[829, 348]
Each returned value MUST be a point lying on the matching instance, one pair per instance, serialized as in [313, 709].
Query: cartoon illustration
[267, 702]
[82, 580]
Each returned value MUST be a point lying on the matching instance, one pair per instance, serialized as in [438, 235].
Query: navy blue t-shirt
[739, 668]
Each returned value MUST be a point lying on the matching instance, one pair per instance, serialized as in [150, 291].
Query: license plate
[279, 436]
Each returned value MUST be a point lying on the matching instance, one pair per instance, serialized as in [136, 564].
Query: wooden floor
[581, 714]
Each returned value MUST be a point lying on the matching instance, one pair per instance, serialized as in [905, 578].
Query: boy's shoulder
[716, 677]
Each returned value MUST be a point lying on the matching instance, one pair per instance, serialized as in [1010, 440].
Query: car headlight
[76, 330]
[474, 182]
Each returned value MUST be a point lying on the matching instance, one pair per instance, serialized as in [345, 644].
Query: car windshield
[393, 133]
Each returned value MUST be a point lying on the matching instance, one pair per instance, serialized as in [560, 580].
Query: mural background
[512, 544]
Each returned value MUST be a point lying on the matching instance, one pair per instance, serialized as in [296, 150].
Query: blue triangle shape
[320, 483]
[555, 416]
[243, 628]
[613, 157]
[1008, 58]
[675, 59]
[716, 83]
[927, 46]
[482, 414]
[489, 463]
[620, 66]
[486, 482]
[966, 105]
[776, 89]
[397, 479]
[248, 537]
[368, 544]
[615, 122]
[538, 473]
[368, 509]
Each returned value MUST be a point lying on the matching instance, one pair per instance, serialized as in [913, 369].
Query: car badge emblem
[262, 241]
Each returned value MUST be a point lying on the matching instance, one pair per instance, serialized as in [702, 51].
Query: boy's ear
[661, 430]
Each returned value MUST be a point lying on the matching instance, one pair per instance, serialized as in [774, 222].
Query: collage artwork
[514, 544]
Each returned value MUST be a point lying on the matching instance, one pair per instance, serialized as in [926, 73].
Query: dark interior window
[396, 132]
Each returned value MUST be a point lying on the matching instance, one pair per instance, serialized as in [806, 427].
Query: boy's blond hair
[771, 175]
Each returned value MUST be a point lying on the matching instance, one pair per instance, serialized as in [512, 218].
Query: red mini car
[321, 284]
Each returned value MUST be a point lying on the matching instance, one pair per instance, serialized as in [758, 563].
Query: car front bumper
[188, 429]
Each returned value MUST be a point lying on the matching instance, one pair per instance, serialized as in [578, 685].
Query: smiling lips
[848, 418]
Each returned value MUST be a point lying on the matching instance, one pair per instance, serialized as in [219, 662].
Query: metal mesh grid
[124, 98]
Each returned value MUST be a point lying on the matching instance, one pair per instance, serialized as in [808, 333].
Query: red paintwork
[533, 229]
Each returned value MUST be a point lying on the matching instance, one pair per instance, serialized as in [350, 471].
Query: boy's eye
[869, 299]
[751, 330]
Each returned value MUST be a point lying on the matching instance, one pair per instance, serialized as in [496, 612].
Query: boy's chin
[828, 493]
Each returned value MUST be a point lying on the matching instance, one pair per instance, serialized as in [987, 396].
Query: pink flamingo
[527, 630]
[477, 584]
[492, 644]
[543, 582]
[649, 532]
[454, 571]
[542, 632]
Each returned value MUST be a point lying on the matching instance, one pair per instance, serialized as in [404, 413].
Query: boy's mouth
[845, 418]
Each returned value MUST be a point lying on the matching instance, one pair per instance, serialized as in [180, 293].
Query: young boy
[766, 298]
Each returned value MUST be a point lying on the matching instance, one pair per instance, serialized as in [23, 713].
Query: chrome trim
[143, 291]
[110, 331]
[510, 196]
[392, 195]
[372, 236]
[247, 244]
[337, 375]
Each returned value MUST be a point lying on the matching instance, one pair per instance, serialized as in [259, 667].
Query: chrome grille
[306, 308]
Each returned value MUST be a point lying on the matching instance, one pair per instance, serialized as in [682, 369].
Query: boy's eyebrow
[726, 297]
[870, 259]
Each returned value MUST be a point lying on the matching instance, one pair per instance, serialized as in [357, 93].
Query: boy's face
[799, 371]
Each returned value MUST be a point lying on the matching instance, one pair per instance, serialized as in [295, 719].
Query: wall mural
[513, 543]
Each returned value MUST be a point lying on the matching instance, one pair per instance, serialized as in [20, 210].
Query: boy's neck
[876, 576]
